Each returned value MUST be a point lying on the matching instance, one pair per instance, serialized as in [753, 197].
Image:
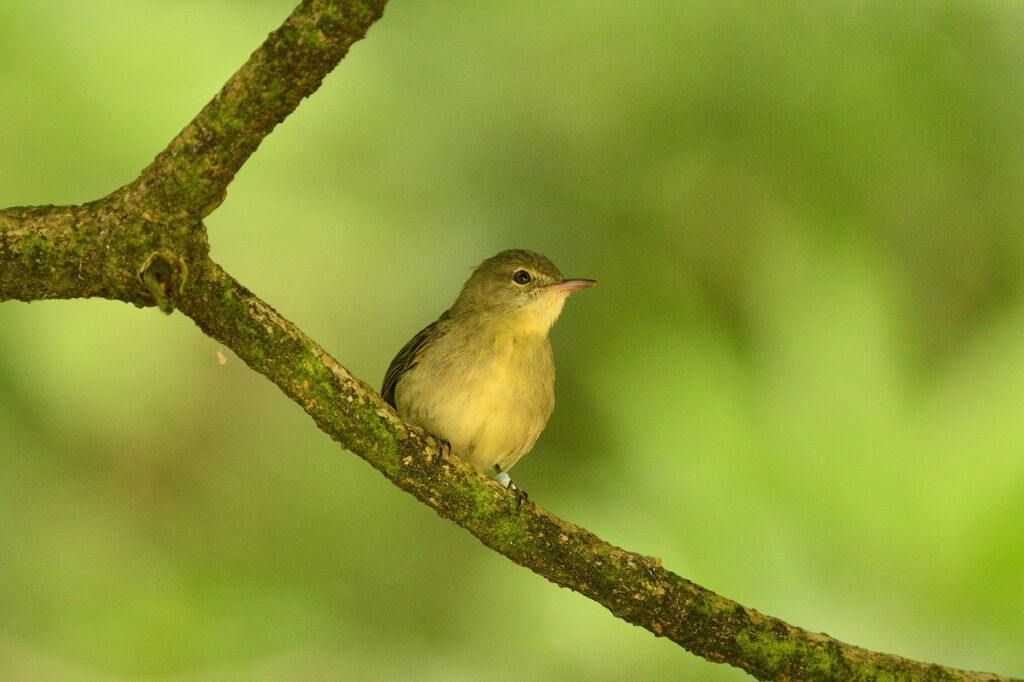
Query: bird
[480, 379]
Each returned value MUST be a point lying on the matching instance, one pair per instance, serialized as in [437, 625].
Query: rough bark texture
[145, 244]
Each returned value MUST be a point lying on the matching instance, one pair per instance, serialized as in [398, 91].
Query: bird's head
[522, 289]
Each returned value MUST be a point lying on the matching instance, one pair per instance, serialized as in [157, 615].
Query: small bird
[481, 378]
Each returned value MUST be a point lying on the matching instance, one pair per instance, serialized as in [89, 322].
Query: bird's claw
[520, 494]
[443, 446]
[505, 480]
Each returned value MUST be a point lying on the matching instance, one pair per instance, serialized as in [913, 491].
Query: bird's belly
[492, 417]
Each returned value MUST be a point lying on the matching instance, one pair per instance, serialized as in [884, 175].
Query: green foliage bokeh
[799, 382]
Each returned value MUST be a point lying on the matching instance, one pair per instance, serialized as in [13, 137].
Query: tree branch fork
[145, 244]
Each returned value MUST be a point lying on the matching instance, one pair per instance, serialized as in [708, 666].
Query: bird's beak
[570, 285]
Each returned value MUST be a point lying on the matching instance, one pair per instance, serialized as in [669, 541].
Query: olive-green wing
[404, 361]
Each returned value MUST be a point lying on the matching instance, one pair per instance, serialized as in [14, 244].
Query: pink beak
[571, 285]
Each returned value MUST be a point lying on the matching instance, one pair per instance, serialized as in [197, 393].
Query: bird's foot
[443, 446]
[506, 480]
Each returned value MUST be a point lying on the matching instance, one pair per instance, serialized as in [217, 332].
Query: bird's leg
[506, 480]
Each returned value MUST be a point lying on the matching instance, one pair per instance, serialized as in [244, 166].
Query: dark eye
[521, 277]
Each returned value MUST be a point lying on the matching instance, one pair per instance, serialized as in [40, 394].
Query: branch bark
[145, 244]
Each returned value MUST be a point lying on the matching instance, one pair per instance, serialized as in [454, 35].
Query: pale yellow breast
[490, 400]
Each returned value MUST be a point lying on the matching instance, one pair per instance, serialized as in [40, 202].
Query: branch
[136, 244]
[146, 244]
[196, 167]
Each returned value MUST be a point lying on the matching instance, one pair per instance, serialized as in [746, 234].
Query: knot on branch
[164, 275]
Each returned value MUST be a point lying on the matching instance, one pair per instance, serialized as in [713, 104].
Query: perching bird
[482, 377]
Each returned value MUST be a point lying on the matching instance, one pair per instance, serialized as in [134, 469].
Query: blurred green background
[799, 383]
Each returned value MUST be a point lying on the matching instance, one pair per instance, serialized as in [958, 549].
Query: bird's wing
[404, 361]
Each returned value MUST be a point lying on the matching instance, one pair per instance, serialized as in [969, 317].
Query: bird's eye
[521, 277]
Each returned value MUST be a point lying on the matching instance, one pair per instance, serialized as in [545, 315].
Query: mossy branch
[145, 244]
